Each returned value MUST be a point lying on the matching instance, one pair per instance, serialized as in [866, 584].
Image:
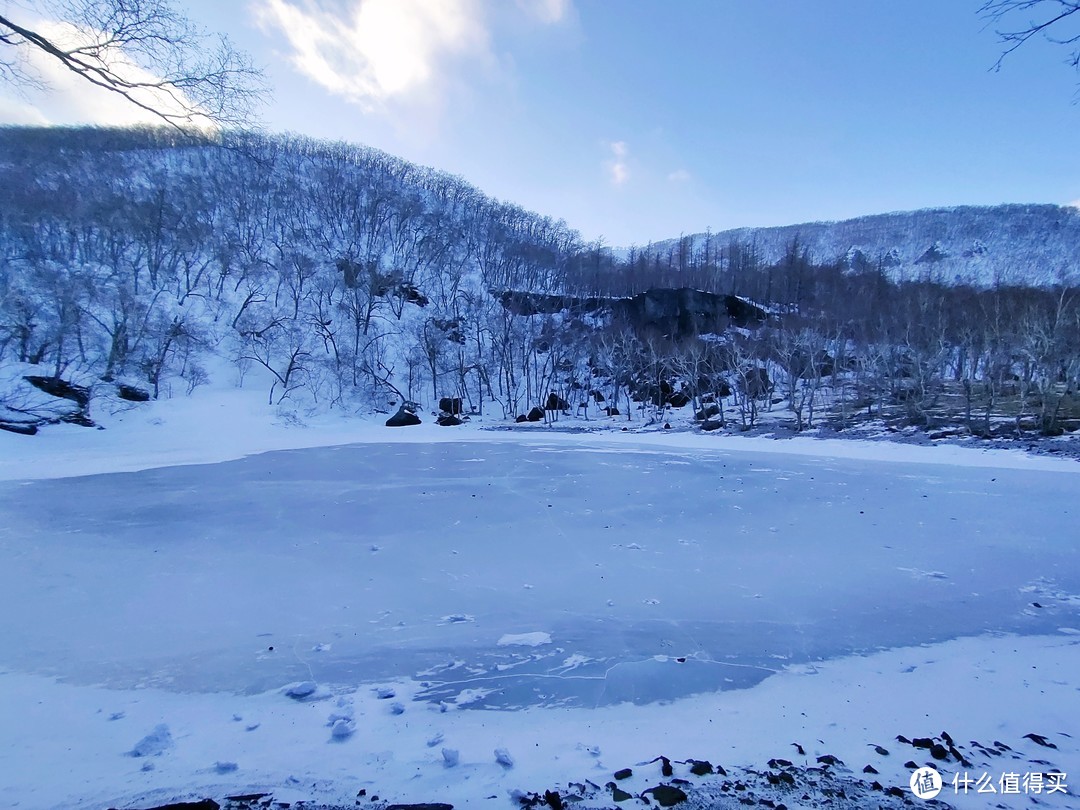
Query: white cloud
[1075, 204]
[375, 52]
[67, 98]
[679, 176]
[617, 167]
[21, 113]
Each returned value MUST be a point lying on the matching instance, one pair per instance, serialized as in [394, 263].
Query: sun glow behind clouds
[372, 52]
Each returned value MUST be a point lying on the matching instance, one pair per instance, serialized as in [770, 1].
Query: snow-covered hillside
[1006, 244]
[137, 265]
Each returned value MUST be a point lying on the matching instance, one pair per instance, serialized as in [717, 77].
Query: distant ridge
[1035, 245]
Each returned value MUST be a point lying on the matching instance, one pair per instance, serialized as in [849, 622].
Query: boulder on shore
[403, 418]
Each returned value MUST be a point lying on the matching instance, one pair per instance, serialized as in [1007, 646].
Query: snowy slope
[1008, 244]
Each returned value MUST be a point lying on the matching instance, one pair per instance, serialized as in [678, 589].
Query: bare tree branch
[1031, 18]
[147, 53]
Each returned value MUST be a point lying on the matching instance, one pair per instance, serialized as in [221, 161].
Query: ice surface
[656, 573]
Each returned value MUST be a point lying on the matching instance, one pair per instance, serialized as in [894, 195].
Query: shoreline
[215, 426]
[844, 715]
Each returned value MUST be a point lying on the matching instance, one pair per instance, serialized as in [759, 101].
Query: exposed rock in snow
[403, 418]
[450, 757]
[155, 743]
[302, 690]
[502, 756]
[132, 393]
[450, 405]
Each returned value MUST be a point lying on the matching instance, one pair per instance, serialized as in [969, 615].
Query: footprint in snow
[154, 744]
[342, 729]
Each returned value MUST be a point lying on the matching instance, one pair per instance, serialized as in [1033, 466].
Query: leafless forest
[359, 281]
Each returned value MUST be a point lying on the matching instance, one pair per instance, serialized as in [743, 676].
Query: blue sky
[636, 120]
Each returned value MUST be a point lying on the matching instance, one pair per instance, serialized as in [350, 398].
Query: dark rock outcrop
[535, 415]
[1039, 739]
[667, 795]
[618, 794]
[709, 410]
[678, 399]
[450, 405]
[56, 387]
[22, 428]
[447, 421]
[69, 405]
[403, 418]
[77, 418]
[131, 393]
[678, 313]
[556, 403]
[700, 767]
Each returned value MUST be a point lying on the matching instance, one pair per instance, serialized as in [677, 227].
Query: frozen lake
[505, 574]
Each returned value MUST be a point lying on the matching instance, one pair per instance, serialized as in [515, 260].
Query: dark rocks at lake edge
[1031, 444]
[810, 788]
[815, 781]
[404, 417]
[62, 389]
[690, 785]
[70, 404]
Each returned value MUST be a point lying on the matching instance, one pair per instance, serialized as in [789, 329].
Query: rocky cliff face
[676, 313]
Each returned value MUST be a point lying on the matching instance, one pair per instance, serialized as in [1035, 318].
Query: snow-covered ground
[585, 601]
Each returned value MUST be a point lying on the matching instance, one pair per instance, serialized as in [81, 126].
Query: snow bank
[977, 689]
[214, 425]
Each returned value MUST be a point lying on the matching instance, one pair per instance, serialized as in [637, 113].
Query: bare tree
[142, 50]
